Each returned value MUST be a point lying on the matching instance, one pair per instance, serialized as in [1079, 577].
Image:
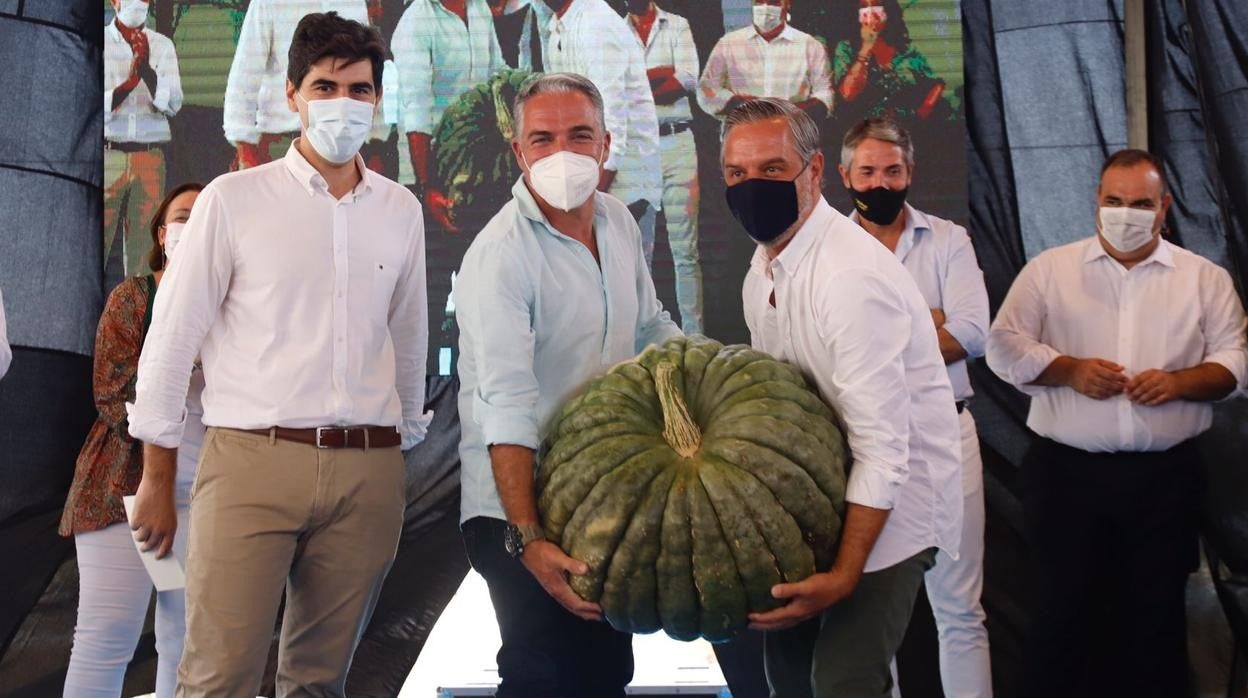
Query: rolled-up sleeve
[686, 55]
[713, 89]
[186, 306]
[1224, 326]
[242, 86]
[964, 296]
[866, 333]
[409, 330]
[609, 73]
[493, 297]
[1015, 352]
[168, 97]
[820, 73]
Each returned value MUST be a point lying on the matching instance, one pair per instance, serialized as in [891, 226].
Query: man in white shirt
[588, 38]
[824, 295]
[877, 167]
[142, 91]
[302, 283]
[256, 120]
[525, 348]
[442, 49]
[771, 58]
[672, 69]
[1122, 340]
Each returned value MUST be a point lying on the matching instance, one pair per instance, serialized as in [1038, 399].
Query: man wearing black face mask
[877, 166]
[825, 296]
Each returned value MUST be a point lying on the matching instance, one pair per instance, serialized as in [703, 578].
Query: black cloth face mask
[879, 205]
[764, 207]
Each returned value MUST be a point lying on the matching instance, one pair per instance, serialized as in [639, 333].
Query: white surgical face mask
[766, 17]
[1127, 229]
[338, 127]
[564, 179]
[173, 235]
[132, 13]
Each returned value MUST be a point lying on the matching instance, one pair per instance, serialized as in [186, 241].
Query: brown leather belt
[337, 437]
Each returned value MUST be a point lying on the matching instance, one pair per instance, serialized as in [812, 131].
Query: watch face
[512, 542]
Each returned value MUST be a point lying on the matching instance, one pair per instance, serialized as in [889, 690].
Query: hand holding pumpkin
[551, 567]
[807, 599]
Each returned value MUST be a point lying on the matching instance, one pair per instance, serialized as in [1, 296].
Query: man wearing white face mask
[307, 300]
[143, 90]
[769, 59]
[1122, 340]
[554, 291]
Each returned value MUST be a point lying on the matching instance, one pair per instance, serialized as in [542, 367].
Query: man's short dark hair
[326, 35]
[1130, 157]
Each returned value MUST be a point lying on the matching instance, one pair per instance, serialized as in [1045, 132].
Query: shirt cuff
[965, 332]
[500, 427]
[160, 101]
[1234, 361]
[156, 430]
[872, 485]
[1028, 368]
[413, 431]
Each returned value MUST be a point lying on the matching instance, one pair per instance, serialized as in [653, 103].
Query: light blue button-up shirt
[538, 318]
[939, 255]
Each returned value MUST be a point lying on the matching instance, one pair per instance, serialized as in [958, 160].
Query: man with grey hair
[822, 294]
[524, 349]
[877, 168]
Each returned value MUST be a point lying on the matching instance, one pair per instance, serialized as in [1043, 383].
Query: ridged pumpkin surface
[691, 480]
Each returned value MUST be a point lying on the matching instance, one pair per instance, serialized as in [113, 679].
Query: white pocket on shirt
[384, 278]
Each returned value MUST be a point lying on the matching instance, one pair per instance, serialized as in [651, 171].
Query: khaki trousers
[268, 514]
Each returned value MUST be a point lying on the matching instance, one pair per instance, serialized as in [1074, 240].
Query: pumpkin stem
[679, 429]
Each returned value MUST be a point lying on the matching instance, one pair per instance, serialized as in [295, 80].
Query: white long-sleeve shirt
[310, 311]
[671, 43]
[439, 58]
[538, 318]
[255, 92]
[142, 117]
[592, 40]
[849, 316]
[792, 66]
[939, 256]
[1172, 311]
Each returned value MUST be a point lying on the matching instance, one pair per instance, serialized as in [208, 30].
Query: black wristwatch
[516, 537]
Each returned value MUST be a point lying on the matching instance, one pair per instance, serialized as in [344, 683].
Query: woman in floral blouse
[114, 588]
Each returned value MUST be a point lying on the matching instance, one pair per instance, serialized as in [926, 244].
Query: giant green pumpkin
[691, 480]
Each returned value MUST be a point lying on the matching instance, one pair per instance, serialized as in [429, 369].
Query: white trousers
[680, 209]
[954, 588]
[114, 591]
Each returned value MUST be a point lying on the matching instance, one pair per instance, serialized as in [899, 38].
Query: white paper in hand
[166, 573]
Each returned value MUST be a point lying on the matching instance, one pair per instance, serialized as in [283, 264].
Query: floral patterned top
[896, 90]
[110, 464]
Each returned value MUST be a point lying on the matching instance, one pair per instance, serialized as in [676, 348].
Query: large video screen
[444, 124]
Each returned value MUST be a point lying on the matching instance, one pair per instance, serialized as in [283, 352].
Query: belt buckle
[320, 431]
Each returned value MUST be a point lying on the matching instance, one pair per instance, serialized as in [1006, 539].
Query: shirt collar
[1163, 255]
[578, 7]
[527, 206]
[790, 259]
[313, 182]
[916, 223]
[514, 6]
[788, 34]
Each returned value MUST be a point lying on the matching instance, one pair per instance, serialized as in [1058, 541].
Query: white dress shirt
[671, 43]
[849, 316]
[939, 256]
[142, 117]
[538, 318]
[6, 352]
[592, 40]
[440, 58]
[1172, 311]
[792, 66]
[310, 310]
[255, 92]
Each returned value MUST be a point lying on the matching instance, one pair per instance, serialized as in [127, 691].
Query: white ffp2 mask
[564, 179]
[766, 17]
[338, 127]
[173, 235]
[1126, 229]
